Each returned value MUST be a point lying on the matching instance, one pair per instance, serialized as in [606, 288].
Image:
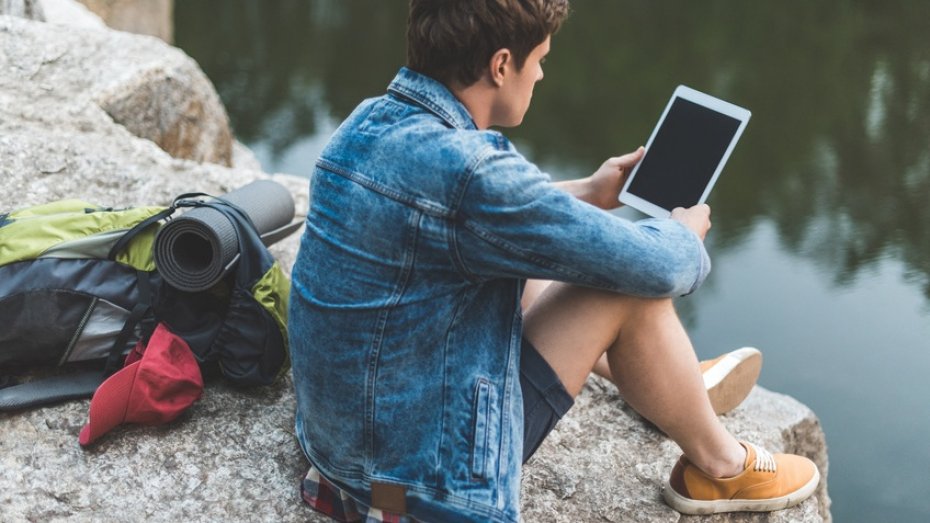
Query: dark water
[821, 237]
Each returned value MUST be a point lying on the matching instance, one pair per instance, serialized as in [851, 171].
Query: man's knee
[585, 304]
[643, 311]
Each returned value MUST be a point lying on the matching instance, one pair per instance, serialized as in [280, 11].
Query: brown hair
[453, 40]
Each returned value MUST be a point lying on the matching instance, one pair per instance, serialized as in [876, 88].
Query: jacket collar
[432, 96]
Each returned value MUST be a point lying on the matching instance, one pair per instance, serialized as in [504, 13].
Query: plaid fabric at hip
[325, 497]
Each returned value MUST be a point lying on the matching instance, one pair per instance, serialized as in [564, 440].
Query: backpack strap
[138, 228]
[141, 311]
[50, 390]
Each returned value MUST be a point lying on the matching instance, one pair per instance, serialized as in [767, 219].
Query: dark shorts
[545, 399]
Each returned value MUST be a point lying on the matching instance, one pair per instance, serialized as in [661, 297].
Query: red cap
[152, 390]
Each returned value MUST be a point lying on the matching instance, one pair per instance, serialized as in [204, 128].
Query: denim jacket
[405, 320]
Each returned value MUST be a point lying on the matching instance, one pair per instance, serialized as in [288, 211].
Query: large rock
[233, 455]
[603, 462]
[147, 17]
[152, 89]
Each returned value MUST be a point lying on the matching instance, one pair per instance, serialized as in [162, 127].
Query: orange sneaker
[767, 483]
[729, 378]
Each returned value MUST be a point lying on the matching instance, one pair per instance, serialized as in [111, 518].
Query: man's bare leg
[602, 367]
[740, 367]
[532, 291]
[650, 359]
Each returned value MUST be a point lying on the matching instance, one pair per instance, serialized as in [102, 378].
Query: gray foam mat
[194, 251]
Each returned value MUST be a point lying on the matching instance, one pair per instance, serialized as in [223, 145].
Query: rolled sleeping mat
[195, 250]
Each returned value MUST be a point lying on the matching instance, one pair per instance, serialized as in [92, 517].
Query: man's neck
[478, 98]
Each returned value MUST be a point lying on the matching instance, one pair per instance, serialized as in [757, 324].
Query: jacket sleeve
[512, 222]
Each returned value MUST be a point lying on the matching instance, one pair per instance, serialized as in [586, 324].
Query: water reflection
[836, 153]
[280, 67]
[833, 171]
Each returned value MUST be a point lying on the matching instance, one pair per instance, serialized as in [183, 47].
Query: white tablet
[685, 154]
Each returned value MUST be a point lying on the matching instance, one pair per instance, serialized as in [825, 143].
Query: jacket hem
[341, 477]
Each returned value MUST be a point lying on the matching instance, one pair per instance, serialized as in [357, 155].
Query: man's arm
[602, 190]
[522, 226]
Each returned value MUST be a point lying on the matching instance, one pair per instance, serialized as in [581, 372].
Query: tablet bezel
[705, 100]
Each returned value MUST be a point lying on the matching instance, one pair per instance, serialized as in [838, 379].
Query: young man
[422, 383]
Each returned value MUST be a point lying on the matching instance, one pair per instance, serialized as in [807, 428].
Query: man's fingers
[628, 160]
[701, 207]
[696, 218]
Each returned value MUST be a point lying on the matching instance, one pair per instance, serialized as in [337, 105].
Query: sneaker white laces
[765, 462]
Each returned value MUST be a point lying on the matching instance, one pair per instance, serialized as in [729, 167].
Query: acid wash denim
[405, 321]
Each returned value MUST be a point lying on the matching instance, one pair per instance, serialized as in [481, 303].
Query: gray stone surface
[152, 89]
[233, 456]
[603, 462]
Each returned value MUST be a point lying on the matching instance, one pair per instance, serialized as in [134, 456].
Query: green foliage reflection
[836, 154]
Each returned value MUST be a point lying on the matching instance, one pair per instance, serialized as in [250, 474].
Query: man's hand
[604, 185]
[696, 218]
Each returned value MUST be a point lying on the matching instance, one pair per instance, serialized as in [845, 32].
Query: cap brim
[109, 405]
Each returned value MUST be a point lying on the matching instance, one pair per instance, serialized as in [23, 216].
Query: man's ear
[500, 61]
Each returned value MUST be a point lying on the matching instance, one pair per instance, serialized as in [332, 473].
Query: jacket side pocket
[482, 412]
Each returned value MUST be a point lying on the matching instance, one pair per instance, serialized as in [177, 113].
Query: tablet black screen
[684, 155]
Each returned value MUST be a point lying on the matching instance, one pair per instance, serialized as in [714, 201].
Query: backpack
[79, 288]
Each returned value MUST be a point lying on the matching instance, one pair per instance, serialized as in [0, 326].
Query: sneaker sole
[693, 506]
[732, 378]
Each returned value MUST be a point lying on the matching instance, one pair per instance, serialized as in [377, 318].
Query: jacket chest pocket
[482, 420]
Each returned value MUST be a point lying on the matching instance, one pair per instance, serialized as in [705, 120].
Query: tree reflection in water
[836, 154]
[835, 160]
